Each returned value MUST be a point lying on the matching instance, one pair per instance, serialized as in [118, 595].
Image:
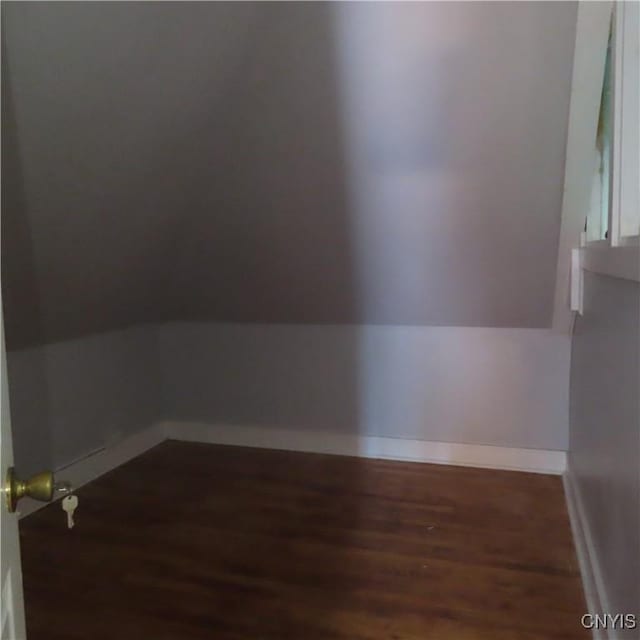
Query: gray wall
[604, 455]
[111, 110]
[71, 398]
[503, 387]
[297, 163]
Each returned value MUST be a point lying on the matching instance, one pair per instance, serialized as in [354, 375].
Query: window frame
[617, 255]
[624, 210]
[624, 183]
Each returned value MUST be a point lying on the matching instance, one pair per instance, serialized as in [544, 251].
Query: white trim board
[592, 582]
[468, 455]
[97, 463]
[592, 37]
[616, 262]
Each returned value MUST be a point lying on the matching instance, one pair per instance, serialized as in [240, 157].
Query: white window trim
[625, 187]
[592, 37]
[619, 262]
[618, 255]
[624, 201]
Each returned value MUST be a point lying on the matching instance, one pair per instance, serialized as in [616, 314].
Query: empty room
[320, 320]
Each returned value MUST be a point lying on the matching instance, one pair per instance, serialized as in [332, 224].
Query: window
[598, 219]
[614, 214]
[610, 244]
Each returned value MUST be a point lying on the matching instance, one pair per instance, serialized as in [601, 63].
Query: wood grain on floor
[194, 541]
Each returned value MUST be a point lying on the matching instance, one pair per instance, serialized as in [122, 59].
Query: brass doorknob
[39, 487]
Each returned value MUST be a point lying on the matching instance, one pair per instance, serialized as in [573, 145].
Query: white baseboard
[594, 591]
[470, 455]
[94, 465]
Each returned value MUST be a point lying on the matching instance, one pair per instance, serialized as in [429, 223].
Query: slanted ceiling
[295, 163]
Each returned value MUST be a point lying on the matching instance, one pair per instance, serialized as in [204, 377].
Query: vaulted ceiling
[298, 163]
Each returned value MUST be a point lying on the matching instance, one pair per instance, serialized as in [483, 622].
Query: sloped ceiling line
[296, 162]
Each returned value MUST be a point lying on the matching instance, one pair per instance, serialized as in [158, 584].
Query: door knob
[39, 487]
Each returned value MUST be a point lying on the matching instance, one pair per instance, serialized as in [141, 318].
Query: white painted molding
[468, 455]
[98, 463]
[577, 282]
[592, 582]
[616, 262]
[625, 194]
[592, 36]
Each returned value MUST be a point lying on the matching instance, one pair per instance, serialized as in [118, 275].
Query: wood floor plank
[193, 541]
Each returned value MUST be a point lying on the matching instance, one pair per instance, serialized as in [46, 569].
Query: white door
[11, 601]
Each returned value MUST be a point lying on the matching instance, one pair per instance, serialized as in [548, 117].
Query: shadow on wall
[21, 302]
[284, 271]
[302, 175]
[271, 243]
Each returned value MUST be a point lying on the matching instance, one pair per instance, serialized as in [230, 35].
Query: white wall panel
[506, 387]
[71, 398]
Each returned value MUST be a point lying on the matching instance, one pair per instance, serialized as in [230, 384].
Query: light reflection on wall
[447, 118]
[446, 112]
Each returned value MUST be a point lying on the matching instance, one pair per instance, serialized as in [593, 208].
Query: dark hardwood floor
[199, 541]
